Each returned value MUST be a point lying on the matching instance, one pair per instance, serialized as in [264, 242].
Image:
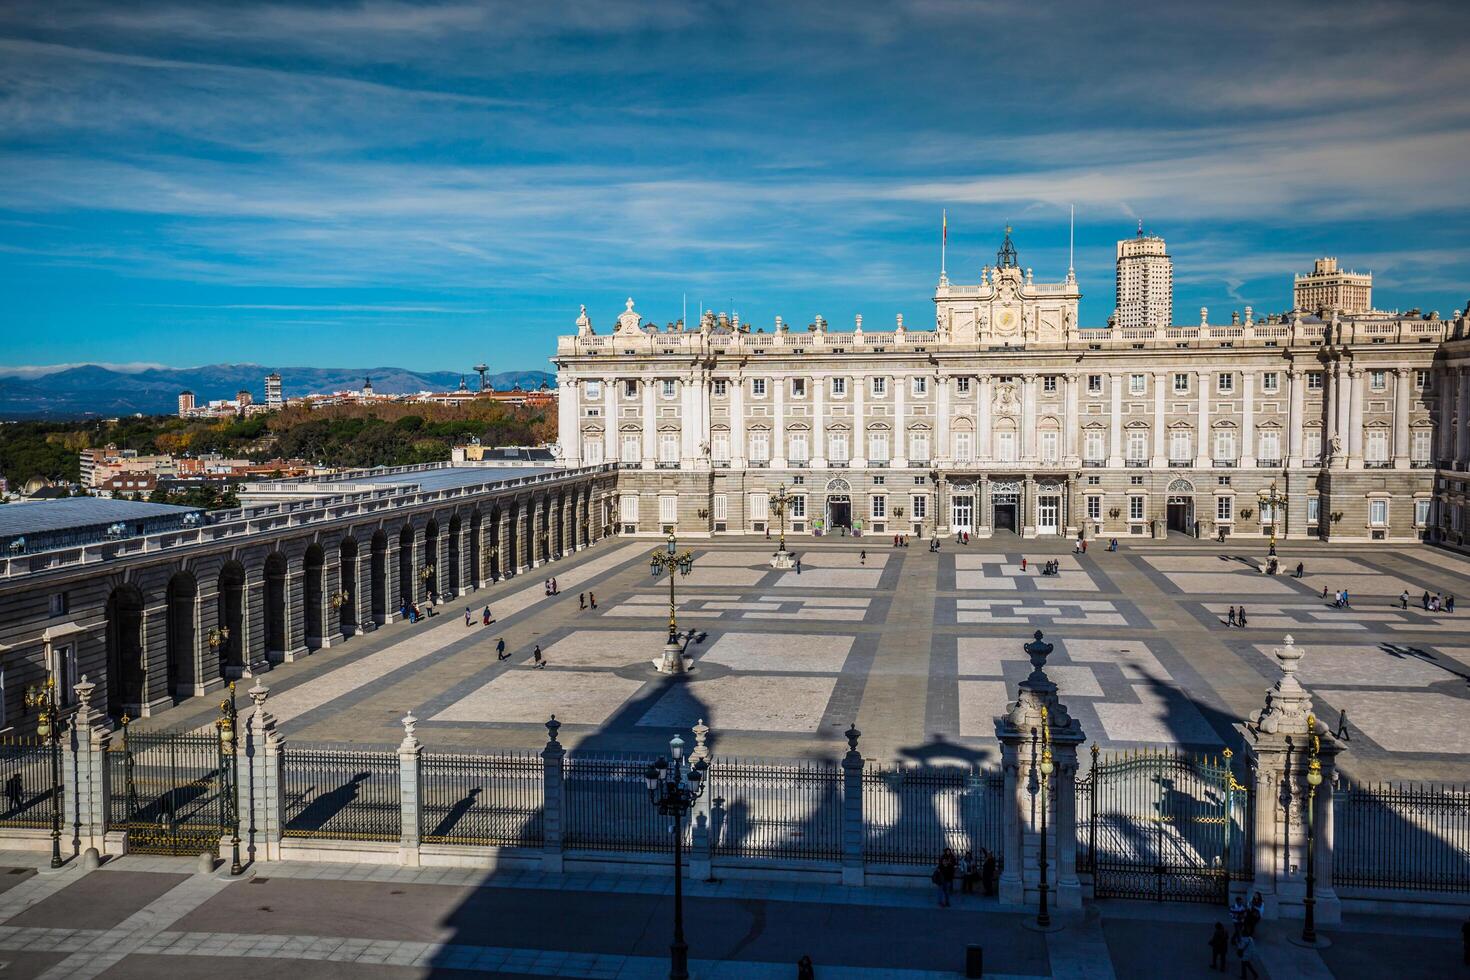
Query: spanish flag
[944, 227]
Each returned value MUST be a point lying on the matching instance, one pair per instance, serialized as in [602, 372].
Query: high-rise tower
[1145, 282]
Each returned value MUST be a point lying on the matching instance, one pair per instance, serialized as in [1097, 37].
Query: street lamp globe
[43, 725]
[676, 748]
[1047, 766]
[651, 777]
[671, 545]
[1314, 774]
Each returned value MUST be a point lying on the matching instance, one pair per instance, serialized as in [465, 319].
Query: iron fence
[1404, 835]
[912, 813]
[774, 810]
[341, 794]
[25, 772]
[481, 799]
[165, 791]
[607, 806]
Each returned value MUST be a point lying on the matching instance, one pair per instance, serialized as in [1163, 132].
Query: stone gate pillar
[1281, 742]
[1034, 726]
[86, 790]
[264, 806]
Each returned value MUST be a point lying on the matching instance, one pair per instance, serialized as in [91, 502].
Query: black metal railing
[341, 794]
[1401, 835]
[911, 814]
[606, 806]
[481, 799]
[775, 810]
[166, 791]
[25, 773]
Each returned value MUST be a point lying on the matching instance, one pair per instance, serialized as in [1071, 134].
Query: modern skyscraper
[1327, 288]
[186, 403]
[273, 397]
[1145, 282]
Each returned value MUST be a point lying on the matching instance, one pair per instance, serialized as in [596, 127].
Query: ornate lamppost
[1047, 767]
[227, 726]
[780, 505]
[48, 729]
[673, 788]
[340, 598]
[668, 559]
[1314, 779]
[1273, 499]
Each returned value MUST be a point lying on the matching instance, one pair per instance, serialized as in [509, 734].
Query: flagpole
[1071, 240]
[943, 240]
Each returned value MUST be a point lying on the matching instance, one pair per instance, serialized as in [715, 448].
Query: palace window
[1179, 449]
[1270, 446]
[878, 507]
[1420, 441]
[628, 508]
[1224, 508]
[1181, 384]
[839, 387]
[760, 447]
[668, 389]
[631, 451]
[798, 387]
[962, 386]
[720, 388]
[878, 447]
[1005, 447]
[921, 386]
[1049, 442]
[720, 507]
[919, 447]
[719, 447]
[963, 445]
[1421, 379]
[1225, 383]
[1137, 445]
[630, 388]
[798, 508]
[1314, 508]
[1094, 384]
[1271, 381]
[668, 508]
[594, 389]
[758, 505]
[668, 447]
[1135, 508]
[1378, 513]
[1137, 384]
[1093, 446]
[1421, 513]
[1378, 380]
[796, 450]
[592, 450]
[1314, 380]
[758, 387]
[837, 447]
[1225, 445]
[880, 386]
[919, 506]
[1375, 447]
[1094, 508]
[1049, 384]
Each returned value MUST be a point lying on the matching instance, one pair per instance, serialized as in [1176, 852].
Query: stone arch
[378, 576]
[126, 671]
[183, 634]
[435, 574]
[350, 582]
[407, 589]
[231, 617]
[477, 554]
[456, 527]
[276, 595]
[313, 566]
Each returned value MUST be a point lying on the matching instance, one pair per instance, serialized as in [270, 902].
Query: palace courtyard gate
[166, 791]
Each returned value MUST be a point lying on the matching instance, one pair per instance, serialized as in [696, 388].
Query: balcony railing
[878, 464]
[666, 464]
[760, 464]
[1377, 464]
[1092, 462]
[1135, 463]
[1182, 463]
[1421, 464]
[840, 464]
[1224, 464]
[1268, 464]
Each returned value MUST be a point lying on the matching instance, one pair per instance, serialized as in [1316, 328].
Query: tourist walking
[950, 864]
[536, 661]
[1425, 600]
[485, 618]
[987, 872]
[1342, 728]
[1219, 948]
[581, 600]
[1449, 603]
[1240, 617]
[937, 877]
[1404, 599]
[863, 557]
[1237, 916]
[469, 620]
[1253, 913]
[1300, 569]
[592, 599]
[1245, 948]
[798, 564]
[500, 653]
[1231, 620]
[969, 873]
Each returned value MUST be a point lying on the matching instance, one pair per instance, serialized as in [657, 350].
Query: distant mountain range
[93, 390]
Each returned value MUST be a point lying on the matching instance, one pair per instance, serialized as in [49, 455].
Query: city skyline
[385, 183]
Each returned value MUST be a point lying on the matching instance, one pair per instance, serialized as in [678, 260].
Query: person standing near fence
[938, 878]
[1219, 949]
[987, 873]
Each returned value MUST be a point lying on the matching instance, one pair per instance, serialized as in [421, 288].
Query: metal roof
[448, 477]
[36, 517]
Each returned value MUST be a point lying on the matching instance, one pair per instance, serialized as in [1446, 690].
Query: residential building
[1145, 288]
[1327, 289]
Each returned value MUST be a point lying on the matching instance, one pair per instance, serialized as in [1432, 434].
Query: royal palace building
[1008, 416]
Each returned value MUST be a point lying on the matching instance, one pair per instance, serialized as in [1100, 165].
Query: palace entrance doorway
[1179, 511]
[1007, 512]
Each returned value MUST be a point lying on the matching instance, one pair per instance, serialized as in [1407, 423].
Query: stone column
[852, 810]
[1355, 419]
[410, 793]
[1161, 434]
[1296, 421]
[1028, 417]
[86, 792]
[819, 420]
[858, 452]
[778, 385]
[295, 611]
[1402, 379]
[469, 576]
[1037, 724]
[650, 423]
[737, 422]
[900, 424]
[610, 420]
[330, 616]
[1203, 459]
[942, 452]
[1445, 422]
[265, 817]
[521, 560]
[983, 451]
[1281, 742]
[1343, 404]
[1330, 428]
[1073, 426]
[1115, 429]
[553, 759]
[1248, 419]
[568, 418]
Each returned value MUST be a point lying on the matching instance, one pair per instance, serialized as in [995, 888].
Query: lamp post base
[783, 559]
[672, 660]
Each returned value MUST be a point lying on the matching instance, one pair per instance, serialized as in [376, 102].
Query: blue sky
[426, 185]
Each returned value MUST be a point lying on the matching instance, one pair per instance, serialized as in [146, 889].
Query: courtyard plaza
[921, 650]
[140, 916]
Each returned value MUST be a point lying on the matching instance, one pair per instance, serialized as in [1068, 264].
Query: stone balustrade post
[86, 790]
[265, 803]
[701, 850]
[410, 793]
[1281, 742]
[1035, 724]
[852, 810]
[553, 759]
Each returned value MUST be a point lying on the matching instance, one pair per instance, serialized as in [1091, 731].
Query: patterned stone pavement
[918, 649]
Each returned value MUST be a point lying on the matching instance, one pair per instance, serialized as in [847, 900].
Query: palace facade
[1006, 416]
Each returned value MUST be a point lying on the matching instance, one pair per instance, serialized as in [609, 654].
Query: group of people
[1430, 602]
[485, 618]
[1236, 617]
[969, 870]
[1241, 938]
[411, 612]
[900, 541]
[551, 587]
[1340, 598]
[962, 537]
[1052, 567]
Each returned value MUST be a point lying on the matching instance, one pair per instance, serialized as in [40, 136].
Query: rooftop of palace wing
[446, 477]
[37, 525]
[495, 467]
